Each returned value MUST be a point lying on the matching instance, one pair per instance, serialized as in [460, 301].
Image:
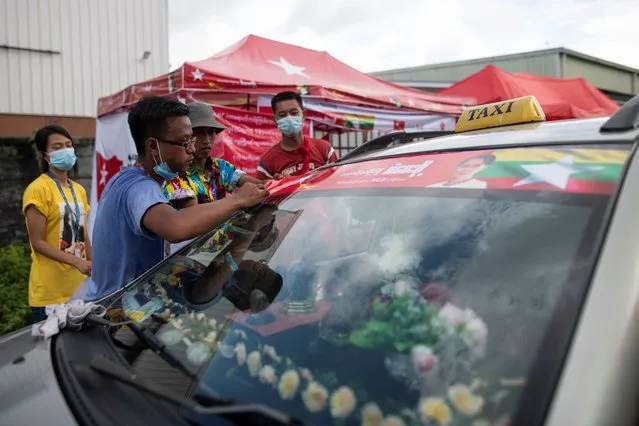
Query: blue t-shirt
[122, 248]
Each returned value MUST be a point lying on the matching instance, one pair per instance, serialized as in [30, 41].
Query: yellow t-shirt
[52, 282]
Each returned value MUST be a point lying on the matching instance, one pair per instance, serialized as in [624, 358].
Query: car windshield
[362, 303]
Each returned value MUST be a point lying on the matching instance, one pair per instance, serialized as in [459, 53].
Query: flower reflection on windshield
[378, 308]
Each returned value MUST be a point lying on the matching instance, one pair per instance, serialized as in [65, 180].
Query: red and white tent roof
[256, 65]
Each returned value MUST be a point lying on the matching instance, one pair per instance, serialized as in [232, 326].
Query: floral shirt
[209, 184]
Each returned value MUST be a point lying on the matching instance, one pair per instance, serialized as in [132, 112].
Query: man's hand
[250, 194]
[277, 176]
[83, 266]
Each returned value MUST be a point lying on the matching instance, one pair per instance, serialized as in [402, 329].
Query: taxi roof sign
[505, 113]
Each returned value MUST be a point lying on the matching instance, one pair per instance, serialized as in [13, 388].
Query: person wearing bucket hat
[207, 179]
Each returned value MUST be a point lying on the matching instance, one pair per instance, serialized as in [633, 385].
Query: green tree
[15, 263]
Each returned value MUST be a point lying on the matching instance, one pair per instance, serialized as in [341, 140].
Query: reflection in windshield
[371, 307]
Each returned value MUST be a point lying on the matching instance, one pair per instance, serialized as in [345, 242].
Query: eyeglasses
[184, 144]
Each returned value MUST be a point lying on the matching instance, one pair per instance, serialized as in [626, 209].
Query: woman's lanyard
[75, 216]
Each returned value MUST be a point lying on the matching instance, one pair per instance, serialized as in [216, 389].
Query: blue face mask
[290, 125]
[63, 159]
[163, 170]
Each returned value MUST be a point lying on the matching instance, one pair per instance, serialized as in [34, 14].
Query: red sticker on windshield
[590, 171]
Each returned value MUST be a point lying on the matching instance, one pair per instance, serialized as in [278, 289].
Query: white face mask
[290, 125]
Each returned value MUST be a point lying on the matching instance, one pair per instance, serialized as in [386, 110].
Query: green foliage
[15, 264]
[399, 324]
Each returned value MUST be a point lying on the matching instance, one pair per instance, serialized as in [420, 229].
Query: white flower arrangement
[254, 363]
[393, 421]
[240, 353]
[315, 397]
[289, 383]
[460, 402]
[227, 351]
[343, 402]
[473, 330]
[267, 375]
[371, 415]
[396, 256]
[465, 401]
[271, 353]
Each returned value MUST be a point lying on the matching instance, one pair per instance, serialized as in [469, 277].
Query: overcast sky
[373, 35]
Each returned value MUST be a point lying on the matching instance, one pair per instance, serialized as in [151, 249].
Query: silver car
[487, 277]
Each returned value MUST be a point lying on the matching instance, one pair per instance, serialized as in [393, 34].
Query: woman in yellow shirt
[56, 208]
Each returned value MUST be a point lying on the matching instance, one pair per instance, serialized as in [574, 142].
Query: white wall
[95, 49]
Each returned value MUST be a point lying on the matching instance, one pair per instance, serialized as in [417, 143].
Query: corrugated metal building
[617, 81]
[57, 57]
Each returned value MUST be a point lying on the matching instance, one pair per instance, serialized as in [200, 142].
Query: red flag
[106, 170]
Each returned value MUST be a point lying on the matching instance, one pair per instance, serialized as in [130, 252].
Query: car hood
[29, 391]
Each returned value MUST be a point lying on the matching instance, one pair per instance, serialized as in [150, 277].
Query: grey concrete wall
[18, 167]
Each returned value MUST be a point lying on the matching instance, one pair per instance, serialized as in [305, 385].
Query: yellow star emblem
[305, 186]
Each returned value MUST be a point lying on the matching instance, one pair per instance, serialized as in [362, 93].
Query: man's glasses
[184, 144]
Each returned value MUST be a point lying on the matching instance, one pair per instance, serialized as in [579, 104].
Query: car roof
[546, 133]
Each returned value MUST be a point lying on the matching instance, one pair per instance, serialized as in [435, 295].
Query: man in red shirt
[295, 154]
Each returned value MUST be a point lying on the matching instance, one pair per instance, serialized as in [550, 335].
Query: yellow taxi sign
[513, 111]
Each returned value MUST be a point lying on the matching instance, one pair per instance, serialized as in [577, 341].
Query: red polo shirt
[291, 163]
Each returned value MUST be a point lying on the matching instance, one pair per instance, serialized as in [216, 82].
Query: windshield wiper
[237, 413]
[148, 338]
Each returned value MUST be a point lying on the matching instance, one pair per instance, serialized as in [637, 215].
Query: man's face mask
[290, 125]
[162, 169]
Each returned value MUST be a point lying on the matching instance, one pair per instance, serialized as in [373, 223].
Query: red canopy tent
[560, 98]
[256, 65]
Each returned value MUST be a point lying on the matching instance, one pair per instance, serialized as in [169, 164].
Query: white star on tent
[289, 68]
[197, 75]
[103, 174]
[147, 88]
[556, 174]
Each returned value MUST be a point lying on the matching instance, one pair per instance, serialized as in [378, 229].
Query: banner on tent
[366, 119]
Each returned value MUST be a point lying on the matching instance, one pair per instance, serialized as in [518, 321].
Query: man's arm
[247, 178]
[183, 203]
[177, 226]
[232, 177]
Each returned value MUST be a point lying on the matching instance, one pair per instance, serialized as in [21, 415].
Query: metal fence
[347, 141]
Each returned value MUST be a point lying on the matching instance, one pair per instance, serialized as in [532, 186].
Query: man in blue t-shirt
[134, 218]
